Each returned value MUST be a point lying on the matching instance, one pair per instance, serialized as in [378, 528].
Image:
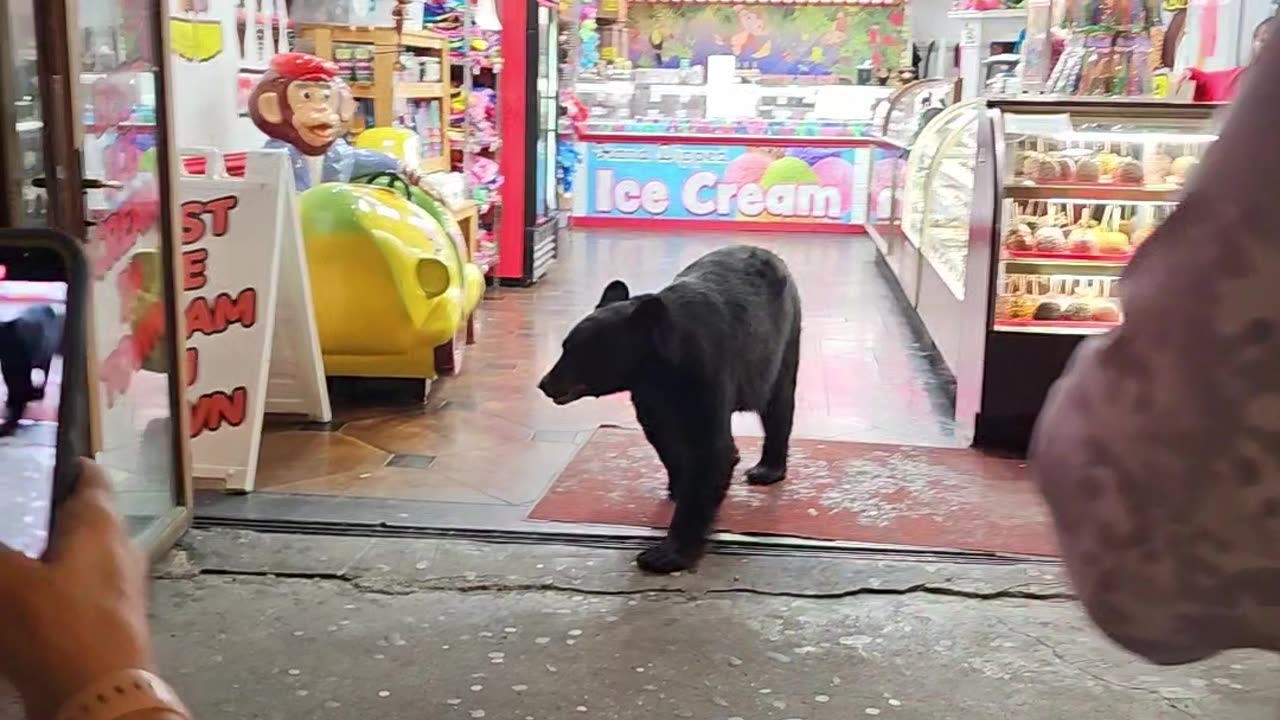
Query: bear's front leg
[701, 491]
[668, 442]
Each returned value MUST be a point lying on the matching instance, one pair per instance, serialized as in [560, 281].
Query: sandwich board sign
[251, 346]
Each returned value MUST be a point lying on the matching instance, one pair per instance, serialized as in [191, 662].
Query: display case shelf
[1055, 327]
[1067, 258]
[1096, 192]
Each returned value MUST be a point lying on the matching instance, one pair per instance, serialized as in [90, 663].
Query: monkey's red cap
[302, 66]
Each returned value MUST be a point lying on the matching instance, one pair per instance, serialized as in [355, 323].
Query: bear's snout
[560, 392]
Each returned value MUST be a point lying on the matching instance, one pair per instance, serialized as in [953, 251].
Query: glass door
[545, 199]
[101, 108]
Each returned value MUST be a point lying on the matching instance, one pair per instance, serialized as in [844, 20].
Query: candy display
[1105, 311]
[1050, 239]
[1020, 239]
[1157, 167]
[1022, 307]
[1088, 170]
[1083, 240]
[1079, 310]
[1047, 310]
[1046, 170]
[1141, 234]
[1128, 172]
[1182, 167]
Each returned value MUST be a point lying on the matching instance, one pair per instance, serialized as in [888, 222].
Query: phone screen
[32, 318]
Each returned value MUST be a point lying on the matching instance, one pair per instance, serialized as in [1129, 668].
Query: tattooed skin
[1158, 451]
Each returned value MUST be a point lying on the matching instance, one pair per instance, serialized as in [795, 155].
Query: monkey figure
[304, 108]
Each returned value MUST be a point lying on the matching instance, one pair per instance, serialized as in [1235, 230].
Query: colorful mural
[774, 39]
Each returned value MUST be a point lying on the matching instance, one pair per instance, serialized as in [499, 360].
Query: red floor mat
[890, 494]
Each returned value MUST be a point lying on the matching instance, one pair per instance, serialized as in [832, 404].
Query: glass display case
[1084, 187]
[896, 123]
[1069, 191]
[939, 191]
[902, 116]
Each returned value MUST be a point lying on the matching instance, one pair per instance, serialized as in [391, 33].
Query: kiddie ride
[391, 279]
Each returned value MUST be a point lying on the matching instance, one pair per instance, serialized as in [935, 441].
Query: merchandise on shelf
[1112, 49]
[1084, 185]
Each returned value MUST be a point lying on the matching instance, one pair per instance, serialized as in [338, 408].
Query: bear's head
[608, 349]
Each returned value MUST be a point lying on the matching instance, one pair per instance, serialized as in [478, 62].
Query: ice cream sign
[721, 183]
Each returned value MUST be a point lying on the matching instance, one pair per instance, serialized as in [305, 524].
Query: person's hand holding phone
[79, 614]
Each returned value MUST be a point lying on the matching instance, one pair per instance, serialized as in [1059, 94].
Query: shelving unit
[384, 90]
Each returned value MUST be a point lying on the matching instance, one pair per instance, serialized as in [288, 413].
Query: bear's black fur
[724, 336]
[28, 341]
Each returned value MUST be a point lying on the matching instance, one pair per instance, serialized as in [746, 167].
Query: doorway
[87, 150]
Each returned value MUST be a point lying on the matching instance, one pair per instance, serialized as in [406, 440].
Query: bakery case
[1069, 192]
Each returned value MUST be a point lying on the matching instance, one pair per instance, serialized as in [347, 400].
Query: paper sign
[251, 344]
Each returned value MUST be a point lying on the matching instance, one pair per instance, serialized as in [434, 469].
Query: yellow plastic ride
[389, 285]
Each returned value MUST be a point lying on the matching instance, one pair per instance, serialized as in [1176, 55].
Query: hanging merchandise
[1112, 50]
[589, 51]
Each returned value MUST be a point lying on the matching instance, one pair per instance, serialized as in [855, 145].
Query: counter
[741, 155]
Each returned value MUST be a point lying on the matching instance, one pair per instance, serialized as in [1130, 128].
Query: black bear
[724, 336]
[27, 342]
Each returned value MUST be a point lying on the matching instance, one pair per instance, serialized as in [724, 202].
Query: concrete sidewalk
[270, 626]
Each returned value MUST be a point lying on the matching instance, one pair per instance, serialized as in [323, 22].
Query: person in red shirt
[1220, 85]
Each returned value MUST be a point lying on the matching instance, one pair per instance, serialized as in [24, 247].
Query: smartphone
[43, 384]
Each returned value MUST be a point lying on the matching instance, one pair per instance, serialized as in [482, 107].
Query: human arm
[1157, 450]
[78, 616]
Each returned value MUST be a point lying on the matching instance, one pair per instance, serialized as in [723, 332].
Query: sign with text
[251, 344]
[720, 182]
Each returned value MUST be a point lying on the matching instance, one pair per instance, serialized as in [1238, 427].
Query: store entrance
[877, 456]
[86, 151]
[489, 454]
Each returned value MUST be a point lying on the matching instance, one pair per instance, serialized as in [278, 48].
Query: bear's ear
[650, 312]
[614, 292]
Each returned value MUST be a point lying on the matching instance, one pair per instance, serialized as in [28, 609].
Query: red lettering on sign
[214, 318]
[193, 365]
[213, 410]
[117, 233]
[193, 269]
[219, 210]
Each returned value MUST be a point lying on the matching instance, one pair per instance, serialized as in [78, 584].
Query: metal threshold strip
[623, 539]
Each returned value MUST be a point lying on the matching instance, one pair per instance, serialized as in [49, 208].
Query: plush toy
[566, 161]
[481, 111]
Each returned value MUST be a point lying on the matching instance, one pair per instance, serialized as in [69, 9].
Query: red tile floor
[488, 438]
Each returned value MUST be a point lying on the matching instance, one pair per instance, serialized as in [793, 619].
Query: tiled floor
[487, 437]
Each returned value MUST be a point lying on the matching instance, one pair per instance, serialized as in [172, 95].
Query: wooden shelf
[435, 164]
[407, 90]
[416, 39]
[383, 90]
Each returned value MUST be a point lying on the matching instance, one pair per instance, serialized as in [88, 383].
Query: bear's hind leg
[777, 418]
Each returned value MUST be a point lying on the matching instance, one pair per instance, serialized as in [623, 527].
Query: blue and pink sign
[720, 182]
